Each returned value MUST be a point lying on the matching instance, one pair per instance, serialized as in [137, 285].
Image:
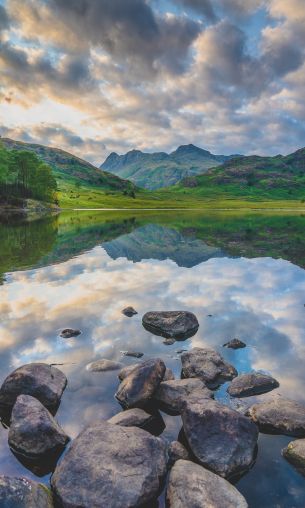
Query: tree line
[24, 175]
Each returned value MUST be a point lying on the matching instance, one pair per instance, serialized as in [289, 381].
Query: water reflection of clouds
[260, 301]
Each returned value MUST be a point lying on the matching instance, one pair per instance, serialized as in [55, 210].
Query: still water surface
[243, 276]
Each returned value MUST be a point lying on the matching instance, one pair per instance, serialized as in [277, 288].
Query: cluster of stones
[123, 462]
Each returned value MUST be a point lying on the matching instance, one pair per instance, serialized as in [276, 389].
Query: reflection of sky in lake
[260, 301]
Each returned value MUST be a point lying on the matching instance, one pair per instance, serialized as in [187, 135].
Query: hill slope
[69, 167]
[156, 170]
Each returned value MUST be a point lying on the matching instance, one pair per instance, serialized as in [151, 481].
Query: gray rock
[39, 380]
[103, 366]
[208, 365]
[235, 344]
[177, 451]
[192, 486]
[171, 395]
[221, 439]
[24, 493]
[254, 383]
[171, 324]
[110, 466]
[134, 354]
[68, 333]
[125, 371]
[129, 312]
[139, 418]
[138, 388]
[34, 434]
[279, 416]
[295, 454]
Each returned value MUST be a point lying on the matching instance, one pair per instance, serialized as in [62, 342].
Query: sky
[97, 76]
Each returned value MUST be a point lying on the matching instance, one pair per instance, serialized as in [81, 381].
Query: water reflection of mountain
[158, 242]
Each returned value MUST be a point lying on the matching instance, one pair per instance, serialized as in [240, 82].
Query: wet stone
[279, 416]
[138, 388]
[192, 486]
[171, 324]
[172, 395]
[137, 417]
[129, 473]
[295, 454]
[129, 312]
[235, 344]
[24, 493]
[223, 440]
[254, 383]
[103, 366]
[68, 333]
[207, 365]
[134, 354]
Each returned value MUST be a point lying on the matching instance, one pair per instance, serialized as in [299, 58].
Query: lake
[242, 275]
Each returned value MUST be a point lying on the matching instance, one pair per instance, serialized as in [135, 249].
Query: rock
[235, 344]
[103, 366]
[192, 486]
[138, 388]
[24, 493]
[279, 416]
[110, 466]
[134, 354]
[180, 351]
[42, 381]
[172, 324]
[129, 312]
[129, 368]
[252, 384]
[221, 439]
[208, 365]
[169, 342]
[139, 418]
[68, 333]
[171, 395]
[295, 454]
[177, 451]
[34, 434]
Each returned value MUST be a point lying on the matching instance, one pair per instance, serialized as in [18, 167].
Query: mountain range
[155, 170]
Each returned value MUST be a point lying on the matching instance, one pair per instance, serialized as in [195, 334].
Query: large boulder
[279, 416]
[125, 371]
[192, 486]
[254, 383]
[139, 418]
[172, 324]
[208, 365]
[295, 454]
[223, 440]
[171, 395]
[110, 466]
[103, 365]
[138, 388]
[177, 451]
[42, 381]
[34, 434]
[24, 493]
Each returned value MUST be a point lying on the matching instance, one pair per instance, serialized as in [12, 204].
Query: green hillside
[155, 170]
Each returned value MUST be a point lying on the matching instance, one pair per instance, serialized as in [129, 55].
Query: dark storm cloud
[130, 31]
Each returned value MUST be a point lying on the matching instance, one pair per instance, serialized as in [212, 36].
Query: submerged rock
[139, 418]
[192, 486]
[34, 436]
[103, 366]
[24, 493]
[208, 365]
[171, 395]
[129, 312]
[68, 333]
[171, 324]
[235, 344]
[134, 354]
[221, 439]
[295, 454]
[176, 451]
[169, 342]
[42, 381]
[279, 416]
[110, 466]
[254, 383]
[138, 388]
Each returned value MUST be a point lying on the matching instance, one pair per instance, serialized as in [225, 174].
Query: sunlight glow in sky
[96, 76]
